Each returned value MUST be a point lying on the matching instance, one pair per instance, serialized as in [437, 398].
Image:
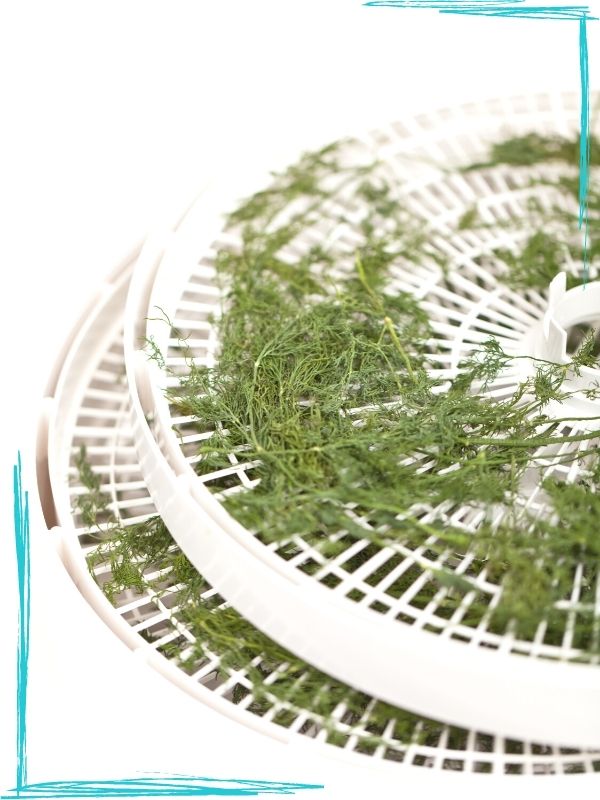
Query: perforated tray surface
[92, 411]
[395, 584]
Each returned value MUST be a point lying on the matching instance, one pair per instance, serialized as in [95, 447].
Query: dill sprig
[142, 558]
[535, 148]
[322, 384]
[556, 238]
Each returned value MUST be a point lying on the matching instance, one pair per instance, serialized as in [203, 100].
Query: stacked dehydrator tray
[388, 646]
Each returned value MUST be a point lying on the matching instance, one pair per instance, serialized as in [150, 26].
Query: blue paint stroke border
[22, 531]
[517, 9]
[189, 786]
[160, 786]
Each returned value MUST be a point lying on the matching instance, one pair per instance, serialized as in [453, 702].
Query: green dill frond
[323, 383]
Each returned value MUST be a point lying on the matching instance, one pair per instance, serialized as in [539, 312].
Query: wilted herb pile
[324, 383]
[143, 558]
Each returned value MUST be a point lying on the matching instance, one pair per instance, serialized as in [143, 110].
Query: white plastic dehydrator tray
[90, 406]
[402, 653]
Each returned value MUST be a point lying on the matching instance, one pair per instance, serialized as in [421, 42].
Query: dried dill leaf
[534, 148]
[143, 558]
[323, 385]
[534, 267]
[300, 350]
[468, 219]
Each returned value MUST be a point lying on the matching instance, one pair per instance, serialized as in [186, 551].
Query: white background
[112, 116]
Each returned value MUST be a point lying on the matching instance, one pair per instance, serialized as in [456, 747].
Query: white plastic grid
[465, 308]
[101, 424]
[462, 134]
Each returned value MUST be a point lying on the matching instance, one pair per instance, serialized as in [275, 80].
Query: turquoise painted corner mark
[584, 141]
[520, 9]
[21, 523]
[160, 785]
[163, 786]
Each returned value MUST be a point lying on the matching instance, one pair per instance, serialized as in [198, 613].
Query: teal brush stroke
[21, 522]
[584, 142]
[490, 8]
[163, 786]
[516, 10]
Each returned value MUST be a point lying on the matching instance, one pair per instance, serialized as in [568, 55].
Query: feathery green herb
[324, 385]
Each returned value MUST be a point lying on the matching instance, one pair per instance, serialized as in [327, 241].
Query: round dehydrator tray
[89, 407]
[360, 615]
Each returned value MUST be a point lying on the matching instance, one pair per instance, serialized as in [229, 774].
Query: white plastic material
[466, 675]
[91, 408]
[566, 310]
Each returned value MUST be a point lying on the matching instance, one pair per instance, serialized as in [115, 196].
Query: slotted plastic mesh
[421, 159]
[91, 409]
